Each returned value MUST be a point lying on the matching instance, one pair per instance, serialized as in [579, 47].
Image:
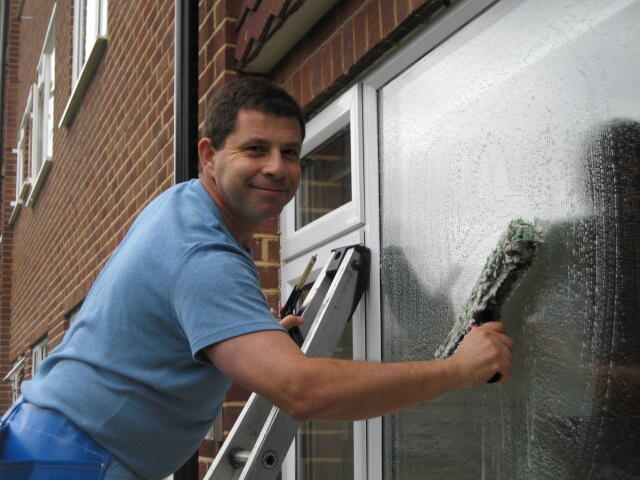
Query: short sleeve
[216, 296]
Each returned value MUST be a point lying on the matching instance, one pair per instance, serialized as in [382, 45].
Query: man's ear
[206, 155]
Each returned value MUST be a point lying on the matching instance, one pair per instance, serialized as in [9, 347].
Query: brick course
[357, 33]
[115, 156]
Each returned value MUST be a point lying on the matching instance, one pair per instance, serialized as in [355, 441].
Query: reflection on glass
[90, 19]
[51, 62]
[41, 127]
[326, 179]
[543, 127]
[325, 449]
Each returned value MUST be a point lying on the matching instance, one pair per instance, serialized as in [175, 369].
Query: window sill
[37, 185]
[17, 206]
[24, 190]
[84, 80]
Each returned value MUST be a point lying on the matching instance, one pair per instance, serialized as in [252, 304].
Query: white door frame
[368, 451]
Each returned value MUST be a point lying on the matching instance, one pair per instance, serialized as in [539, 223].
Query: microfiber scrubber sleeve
[507, 263]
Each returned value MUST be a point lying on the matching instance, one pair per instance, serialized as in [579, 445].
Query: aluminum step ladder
[260, 438]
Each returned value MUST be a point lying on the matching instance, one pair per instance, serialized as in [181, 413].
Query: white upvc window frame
[89, 45]
[38, 354]
[42, 125]
[437, 31]
[368, 448]
[346, 110]
[289, 276]
[23, 181]
[87, 31]
[338, 228]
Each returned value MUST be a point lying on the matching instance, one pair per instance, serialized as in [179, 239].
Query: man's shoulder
[184, 210]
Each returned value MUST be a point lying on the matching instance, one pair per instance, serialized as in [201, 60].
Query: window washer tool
[260, 438]
[290, 306]
[507, 263]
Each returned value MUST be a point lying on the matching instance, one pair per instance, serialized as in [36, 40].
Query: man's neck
[241, 231]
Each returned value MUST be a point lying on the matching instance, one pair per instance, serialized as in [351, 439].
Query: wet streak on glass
[530, 111]
[326, 179]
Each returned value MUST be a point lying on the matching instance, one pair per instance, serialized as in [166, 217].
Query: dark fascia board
[291, 31]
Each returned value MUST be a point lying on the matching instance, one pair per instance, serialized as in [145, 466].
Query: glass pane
[325, 449]
[103, 17]
[52, 68]
[50, 104]
[326, 179]
[90, 24]
[20, 160]
[40, 130]
[489, 127]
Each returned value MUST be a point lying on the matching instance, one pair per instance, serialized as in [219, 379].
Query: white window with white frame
[460, 104]
[43, 112]
[329, 202]
[327, 213]
[23, 181]
[22, 153]
[89, 45]
[38, 354]
[90, 23]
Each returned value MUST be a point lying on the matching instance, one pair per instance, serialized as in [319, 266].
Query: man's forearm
[270, 364]
[349, 390]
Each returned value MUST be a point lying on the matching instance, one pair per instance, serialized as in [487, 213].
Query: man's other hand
[291, 321]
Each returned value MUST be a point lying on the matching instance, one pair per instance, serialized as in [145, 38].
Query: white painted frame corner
[289, 276]
[346, 110]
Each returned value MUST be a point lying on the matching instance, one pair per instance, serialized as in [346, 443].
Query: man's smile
[275, 190]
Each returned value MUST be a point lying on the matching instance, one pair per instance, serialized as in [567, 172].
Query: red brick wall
[116, 155]
[9, 134]
[350, 38]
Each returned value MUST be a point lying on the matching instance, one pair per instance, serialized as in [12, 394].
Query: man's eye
[255, 149]
[291, 153]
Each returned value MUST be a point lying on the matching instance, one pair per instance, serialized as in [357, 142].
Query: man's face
[257, 170]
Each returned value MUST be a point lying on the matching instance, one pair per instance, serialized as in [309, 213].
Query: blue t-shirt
[129, 371]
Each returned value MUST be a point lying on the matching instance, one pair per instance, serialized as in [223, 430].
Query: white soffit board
[285, 38]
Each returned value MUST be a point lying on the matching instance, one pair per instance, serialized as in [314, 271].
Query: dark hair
[250, 93]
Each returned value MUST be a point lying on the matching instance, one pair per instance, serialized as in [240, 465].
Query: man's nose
[274, 165]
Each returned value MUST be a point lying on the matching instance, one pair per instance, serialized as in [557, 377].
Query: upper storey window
[43, 111]
[89, 44]
[90, 24]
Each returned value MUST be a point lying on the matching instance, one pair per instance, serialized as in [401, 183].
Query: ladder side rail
[333, 316]
[254, 415]
[273, 443]
[242, 436]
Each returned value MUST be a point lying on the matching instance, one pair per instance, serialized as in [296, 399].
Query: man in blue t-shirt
[177, 314]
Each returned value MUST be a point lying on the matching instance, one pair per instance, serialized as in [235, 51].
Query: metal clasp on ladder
[260, 438]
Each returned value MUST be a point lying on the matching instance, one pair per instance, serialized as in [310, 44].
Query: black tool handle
[296, 334]
[489, 315]
[289, 309]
